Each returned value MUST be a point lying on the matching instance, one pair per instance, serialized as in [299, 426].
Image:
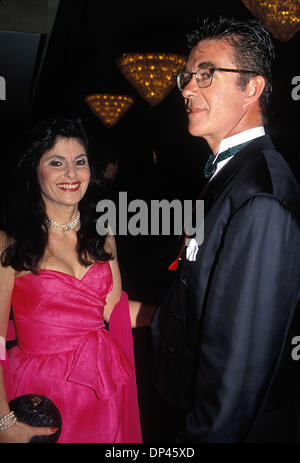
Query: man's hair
[252, 46]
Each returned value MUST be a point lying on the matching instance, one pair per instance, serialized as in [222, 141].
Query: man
[222, 337]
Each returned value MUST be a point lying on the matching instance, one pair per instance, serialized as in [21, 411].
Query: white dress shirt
[230, 142]
[235, 140]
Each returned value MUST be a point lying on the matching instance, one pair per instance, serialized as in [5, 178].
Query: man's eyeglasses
[204, 76]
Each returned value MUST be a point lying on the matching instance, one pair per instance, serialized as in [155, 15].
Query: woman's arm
[19, 432]
[115, 294]
[6, 287]
[140, 313]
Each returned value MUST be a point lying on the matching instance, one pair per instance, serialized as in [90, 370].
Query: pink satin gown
[65, 352]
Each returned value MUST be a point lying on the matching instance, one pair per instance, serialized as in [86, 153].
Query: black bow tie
[211, 166]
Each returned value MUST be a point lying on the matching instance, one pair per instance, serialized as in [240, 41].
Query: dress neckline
[45, 270]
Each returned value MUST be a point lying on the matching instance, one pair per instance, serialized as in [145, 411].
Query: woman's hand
[22, 433]
[141, 313]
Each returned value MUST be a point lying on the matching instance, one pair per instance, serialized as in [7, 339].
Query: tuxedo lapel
[231, 169]
[213, 189]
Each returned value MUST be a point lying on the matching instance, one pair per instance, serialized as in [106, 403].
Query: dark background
[87, 38]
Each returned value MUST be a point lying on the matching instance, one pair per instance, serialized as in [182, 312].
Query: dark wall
[87, 38]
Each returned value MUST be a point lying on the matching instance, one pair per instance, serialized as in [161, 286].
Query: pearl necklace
[68, 226]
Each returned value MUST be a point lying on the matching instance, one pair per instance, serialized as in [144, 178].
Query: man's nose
[191, 88]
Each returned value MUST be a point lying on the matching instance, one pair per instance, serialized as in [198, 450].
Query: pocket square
[191, 250]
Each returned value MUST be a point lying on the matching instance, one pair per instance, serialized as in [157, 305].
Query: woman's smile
[69, 186]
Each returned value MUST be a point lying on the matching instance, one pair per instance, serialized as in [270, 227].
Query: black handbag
[38, 410]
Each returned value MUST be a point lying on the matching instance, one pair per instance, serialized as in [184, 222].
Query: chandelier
[152, 74]
[109, 108]
[281, 17]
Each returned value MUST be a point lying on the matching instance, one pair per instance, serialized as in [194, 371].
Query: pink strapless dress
[65, 352]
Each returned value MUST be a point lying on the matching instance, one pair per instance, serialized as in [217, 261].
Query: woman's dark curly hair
[25, 223]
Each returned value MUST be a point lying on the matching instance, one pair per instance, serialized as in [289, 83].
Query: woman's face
[63, 173]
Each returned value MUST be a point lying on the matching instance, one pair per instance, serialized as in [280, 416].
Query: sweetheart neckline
[64, 273]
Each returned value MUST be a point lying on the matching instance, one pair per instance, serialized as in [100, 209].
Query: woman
[64, 283]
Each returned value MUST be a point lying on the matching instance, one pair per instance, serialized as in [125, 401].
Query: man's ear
[254, 89]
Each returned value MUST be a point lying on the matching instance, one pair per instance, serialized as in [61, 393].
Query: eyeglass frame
[211, 71]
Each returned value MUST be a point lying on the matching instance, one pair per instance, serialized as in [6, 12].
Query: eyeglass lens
[203, 78]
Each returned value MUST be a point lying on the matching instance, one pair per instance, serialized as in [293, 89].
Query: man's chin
[195, 130]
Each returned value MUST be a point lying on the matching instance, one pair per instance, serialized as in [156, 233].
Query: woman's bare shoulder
[5, 240]
[6, 272]
[110, 245]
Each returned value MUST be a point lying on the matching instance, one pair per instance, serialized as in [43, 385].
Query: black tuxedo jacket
[222, 336]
